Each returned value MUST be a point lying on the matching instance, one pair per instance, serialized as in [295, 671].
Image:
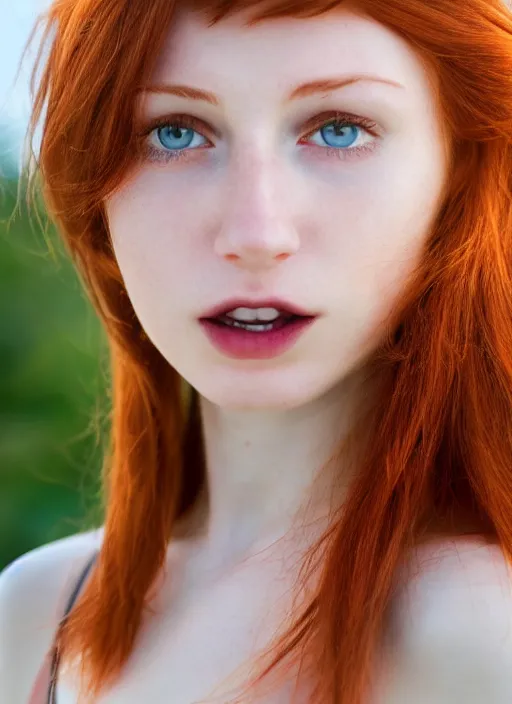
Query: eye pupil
[339, 128]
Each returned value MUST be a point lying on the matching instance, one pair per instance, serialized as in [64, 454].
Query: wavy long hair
[440, 459]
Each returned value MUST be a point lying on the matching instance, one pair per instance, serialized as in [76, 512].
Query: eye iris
[339, 131]
[175, 132]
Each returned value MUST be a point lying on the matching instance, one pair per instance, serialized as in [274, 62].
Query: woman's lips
[239, 343]
[279, 304]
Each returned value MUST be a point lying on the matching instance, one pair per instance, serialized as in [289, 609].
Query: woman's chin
[277, 390]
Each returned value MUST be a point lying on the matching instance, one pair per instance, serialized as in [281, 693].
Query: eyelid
[311, 125]
[195, 122]
[319, 119]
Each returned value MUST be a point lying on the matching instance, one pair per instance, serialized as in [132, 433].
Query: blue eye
[339, 135]
[176, 136]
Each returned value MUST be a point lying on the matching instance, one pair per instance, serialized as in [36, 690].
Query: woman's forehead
[287, 50]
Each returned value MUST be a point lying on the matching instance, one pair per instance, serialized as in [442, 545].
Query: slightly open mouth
[255, 325]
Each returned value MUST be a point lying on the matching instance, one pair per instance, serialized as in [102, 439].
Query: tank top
[51, 697]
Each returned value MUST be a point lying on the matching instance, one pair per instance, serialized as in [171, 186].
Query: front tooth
[268, 314]
[247, 314]
[251, 314]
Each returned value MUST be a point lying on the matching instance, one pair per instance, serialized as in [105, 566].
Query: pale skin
[253, 211]
[256, 210]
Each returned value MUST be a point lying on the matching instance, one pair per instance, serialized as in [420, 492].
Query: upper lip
[232, 303]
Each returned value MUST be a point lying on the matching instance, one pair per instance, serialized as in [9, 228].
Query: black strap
[52, 691]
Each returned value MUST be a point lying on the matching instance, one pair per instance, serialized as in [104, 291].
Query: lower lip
[238, 343]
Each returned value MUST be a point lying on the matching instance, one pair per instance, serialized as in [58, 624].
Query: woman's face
[267, 202]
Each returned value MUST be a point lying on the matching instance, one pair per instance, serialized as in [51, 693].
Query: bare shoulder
[33, 592]
[464, 579]
[451, 635]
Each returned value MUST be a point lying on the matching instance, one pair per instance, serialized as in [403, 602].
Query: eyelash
[323, 120]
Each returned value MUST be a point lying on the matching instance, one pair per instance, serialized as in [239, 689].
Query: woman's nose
[256, 232]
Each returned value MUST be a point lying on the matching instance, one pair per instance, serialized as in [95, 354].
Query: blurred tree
[53, 380]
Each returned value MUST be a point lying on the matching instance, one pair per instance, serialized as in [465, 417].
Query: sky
[17, 20]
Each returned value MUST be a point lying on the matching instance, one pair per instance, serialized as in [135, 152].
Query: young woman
[294, 220]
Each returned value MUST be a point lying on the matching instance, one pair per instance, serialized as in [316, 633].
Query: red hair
[440, 458]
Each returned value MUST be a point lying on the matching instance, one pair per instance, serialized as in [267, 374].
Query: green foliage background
[53, 381]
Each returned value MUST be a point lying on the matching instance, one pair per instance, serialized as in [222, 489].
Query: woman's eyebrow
[322, 85]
